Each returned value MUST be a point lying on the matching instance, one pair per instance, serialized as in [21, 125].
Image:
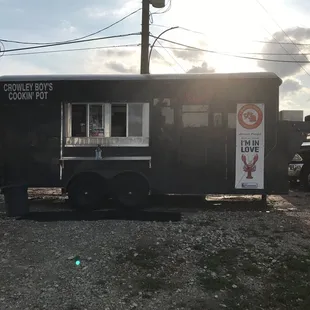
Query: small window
[135, 120]
[119, 120]
[195, 119]
[195, 108]
[195, 115]
[217, 119]
[79, 116]
[232, 120]
[96, 120]
[87, 123]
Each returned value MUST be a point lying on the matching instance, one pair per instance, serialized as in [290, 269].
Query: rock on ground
[215, 258]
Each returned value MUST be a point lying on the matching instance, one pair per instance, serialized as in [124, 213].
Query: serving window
[107, 124]
[195, 115]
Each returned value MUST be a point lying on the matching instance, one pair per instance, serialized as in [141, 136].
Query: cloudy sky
[240, 27]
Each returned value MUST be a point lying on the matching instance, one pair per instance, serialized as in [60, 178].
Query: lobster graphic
[250, 116]
[249, 167]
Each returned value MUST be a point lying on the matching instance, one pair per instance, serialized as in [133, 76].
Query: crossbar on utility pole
[144, 69]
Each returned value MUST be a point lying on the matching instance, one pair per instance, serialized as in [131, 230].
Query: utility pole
[144, 69]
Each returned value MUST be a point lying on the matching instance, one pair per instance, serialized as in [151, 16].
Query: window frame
[231, 116]
[198, 109]
[106, 140]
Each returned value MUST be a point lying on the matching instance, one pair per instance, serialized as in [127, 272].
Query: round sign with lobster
[250, 116]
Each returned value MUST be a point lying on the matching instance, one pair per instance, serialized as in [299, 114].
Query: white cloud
[285, 69]
[114, 60]
[17, 67]
[203, 68]
[67, 28]
[290, 86]
[296, 100]
[98, 12]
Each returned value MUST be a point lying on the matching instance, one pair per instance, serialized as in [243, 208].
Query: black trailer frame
[179, 137]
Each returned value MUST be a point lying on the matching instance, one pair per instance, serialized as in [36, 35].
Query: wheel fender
[132, 172]
[83, 175]
[105, 175]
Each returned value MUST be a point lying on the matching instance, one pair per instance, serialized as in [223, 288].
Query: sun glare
[227, 28]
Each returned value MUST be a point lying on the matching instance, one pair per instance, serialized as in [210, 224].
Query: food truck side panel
[30, 139]
[185, 159]
[206, 155]
[186, 156]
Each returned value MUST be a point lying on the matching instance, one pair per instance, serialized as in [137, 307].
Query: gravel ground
[212, 259]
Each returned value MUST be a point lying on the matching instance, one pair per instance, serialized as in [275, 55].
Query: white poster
[250, 146]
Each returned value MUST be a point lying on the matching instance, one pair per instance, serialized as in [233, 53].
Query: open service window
[106, 124]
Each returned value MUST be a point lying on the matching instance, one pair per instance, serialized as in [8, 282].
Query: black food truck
[129, 136]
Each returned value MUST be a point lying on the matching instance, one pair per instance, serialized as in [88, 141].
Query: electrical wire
[76, 39]
[193, 49]
[259, 3]
[73, 50]
[72, 42]
[172, 57]
[168, 63]
[2, 49]
[255, 41]
[231, 55]
[242, 53]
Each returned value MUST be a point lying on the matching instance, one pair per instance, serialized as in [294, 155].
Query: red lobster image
[249, 167]
[250, 116]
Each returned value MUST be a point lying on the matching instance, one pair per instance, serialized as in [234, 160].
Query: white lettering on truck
[28, 91]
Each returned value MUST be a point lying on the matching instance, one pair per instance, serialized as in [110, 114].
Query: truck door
[202, 155]
[231, 147]
[216, 140]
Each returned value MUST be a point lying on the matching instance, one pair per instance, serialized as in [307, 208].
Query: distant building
[291, 115]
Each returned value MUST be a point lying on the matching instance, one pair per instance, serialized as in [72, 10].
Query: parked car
[299, 168]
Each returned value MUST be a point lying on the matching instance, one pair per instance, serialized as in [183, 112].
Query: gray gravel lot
[212, 259]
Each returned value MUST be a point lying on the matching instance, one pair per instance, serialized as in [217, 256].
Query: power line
[257, 41]
[169, 64]
[231, 55]
[192, 49]
[72, 40]
[172, 57]
[257, 1]
[2, 49]
[242, 53]
[73, 50]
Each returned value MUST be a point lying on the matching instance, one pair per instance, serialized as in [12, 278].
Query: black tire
[87, 192]
[130, 190]
[305, 179]
[293, 184]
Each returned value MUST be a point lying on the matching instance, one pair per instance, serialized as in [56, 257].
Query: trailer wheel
[130, 190]
[305, 178]
[87, 191]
